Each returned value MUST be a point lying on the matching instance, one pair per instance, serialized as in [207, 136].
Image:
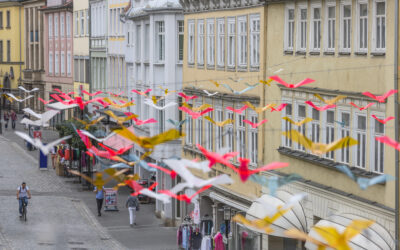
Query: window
[219, 116]
[253, 141]
[87, 71]
[62, 63]
[1, 51]
[330, 132]
[301, 114]
[315, 127]
[379, 26]
[229, 139]
[287, 126]
[161, 117]
[199, 131]
[242, 41]
[50, 63]
[62, 27]
[200, 42]
[330, 26]
[189, 130]
[111, 28]
[362, 26]
[8, 51]
[82, 23]
[345, 27]
[76, 70]
[138, 41]
[210, 42]
[231, 42]
[221, 42]
[344, 130]
[361, 134]
[191, 42]
[241, 135]
[209, 134]
[1, 19]
[289, 28]
[180, 40]
[8, 19]
[76, 23]
[68, 25]
[146, 45]
[69, 63]
[87, 22]
[50, 26]
[56, 65]
[160, 41]
[55, 25]
[378, 147]
[315, 42]
[302, 29]
[255, 41]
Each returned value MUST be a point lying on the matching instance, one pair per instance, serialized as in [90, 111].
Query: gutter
[396, 125]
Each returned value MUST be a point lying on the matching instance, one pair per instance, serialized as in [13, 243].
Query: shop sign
[110, 196]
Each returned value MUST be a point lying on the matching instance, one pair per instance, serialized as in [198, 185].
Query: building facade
[154, 45]
[11, 45]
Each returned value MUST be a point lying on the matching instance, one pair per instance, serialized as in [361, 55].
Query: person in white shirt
[23, 194]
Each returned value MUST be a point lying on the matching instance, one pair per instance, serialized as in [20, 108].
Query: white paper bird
[208, 93]
[203, 166]
[38, 143]
[28, 91]
[18, 100]
[88, 134]
[161, 197]
[43, 118]
[151, 104]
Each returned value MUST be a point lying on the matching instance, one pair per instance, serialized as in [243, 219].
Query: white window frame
[180, 47]
[138, 45]
[69, 61]
[77, 23]
[56, 63]
[374, 31]
[56, 25]
[209, 133]
[82, 23]
[191, 41]
[329, 133]
[330, 27]
[229, 131]
[50, 26]
[62, 25]
[289, 28]
[219, 117]
[146, 45]
[357, 34]
[303, 128]
[315, 28]
[381, 146]
[255, 32]
[231, 42]
[160, 41]
[68, 22]
[356, 131]
[199, 131]
[210, 42]
[253, 139]
[286, 125]
[342, 47]
[51, 63]
[161, 116]
[87, 22]
[241, 134]
[189, 130]
[62, 63]
[343, 131]
[200, 42]
[221, 42]
[242, 41]
[314, 132]
[301, 25]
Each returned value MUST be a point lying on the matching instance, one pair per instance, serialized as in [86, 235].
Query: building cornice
[197, 6]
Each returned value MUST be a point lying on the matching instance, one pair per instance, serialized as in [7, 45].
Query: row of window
[116, 27]
[60, 64]
[334, 124]
[81, 70]
[82, 22]
[99, 72]
[62, 28]
[117, 68]
[321, 26]
[8, 51]
[228, 41]
[98, 22]
[8, 19]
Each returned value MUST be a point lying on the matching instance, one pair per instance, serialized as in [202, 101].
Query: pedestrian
[13, 119]
[6, 118]
[53, 156]
[133, 205]
[99, 199]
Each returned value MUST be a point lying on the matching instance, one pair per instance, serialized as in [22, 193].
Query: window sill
[221, 67]
[159, 63]
[254, 68]
[179, 63]
[211, 67]
[288, 52]
[378, 53]
[314, 53]
[242, 69]
[329, 53]
[8, 28]
[344, 53]
[300, 53]
[231, 68]
[200, 66]
[190, 65]
[360, 53]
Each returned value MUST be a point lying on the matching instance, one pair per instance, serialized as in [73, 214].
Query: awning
[229, 202]
[60, 106]
[117, 142]
[374, 237]
[294, 218]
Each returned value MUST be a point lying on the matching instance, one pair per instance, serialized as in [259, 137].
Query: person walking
[13, 118]
[133, 205]
[6, 118]
[99, 199]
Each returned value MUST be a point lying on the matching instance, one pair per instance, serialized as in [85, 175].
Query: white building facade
[154, 45]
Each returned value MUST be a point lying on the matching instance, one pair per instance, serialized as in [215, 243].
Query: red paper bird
[45, 102]
[384, 121]
[142, 122]
[141, 93]
[186, 97]
[167, 171]
[245, 173]
[137, 187]
[279, 108]
[382, 97]
[116, 95]
[292, 86]
[215, 158]
[92, 94]
[59, 91]
[255, 125]
[320, 108]
[389, 141]
[184, 197]
[362, 108]
[193, 114]
[238, 111]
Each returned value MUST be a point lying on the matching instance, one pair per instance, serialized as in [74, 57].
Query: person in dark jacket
[13, 119]
[133, 205]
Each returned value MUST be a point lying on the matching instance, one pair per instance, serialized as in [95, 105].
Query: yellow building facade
[11, 44]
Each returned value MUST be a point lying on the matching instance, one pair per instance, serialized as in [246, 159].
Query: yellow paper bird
[155, 99]
[120, 178]
[319, 148]
[215, 83]
[198, 109]
[91, 123]
[149, 142]
[166, 91]
[219, 124]
[119, 106]
[297, 234]
[98, 181]
[305, 120]
[9, 98]
[331, 101]
[259, 109]
[267, 82]
[120, 120]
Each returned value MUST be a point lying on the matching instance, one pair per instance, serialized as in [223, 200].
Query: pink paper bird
[320, 108]
[255, 125]
[141, 93]
[389, 141]
[382, 97]
[45, 102]
[92, 94]
[184, 197]
[362, 108]
[138, 188]
[167, 171]
[292, 86]
[142, 122]
[193, 114]
[279, 108]
[215, 158]
[238, 111]
[186, 97]
[384, 121]
[245, 173]
[116, 95]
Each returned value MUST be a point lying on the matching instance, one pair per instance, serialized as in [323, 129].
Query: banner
[110, 196]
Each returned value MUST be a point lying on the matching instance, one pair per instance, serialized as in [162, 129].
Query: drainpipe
[396, 112]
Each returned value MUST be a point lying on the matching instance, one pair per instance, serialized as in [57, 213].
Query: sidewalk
[149, 232]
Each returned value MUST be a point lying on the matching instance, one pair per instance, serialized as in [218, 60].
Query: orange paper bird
[259, 109]
[149, 142]
[197, 109]
[319, 148]
[120, 106]
[219, 124]
[305, 120]
[297, 234]
[215, 83]
[331, 101]
[91, 123]
[267, 82]
[120, 120]
[98, 181]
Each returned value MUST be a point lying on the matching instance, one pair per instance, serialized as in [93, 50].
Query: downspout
[20, 45]
[396, 125]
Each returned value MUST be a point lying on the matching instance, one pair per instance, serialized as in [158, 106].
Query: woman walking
[133, 205]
